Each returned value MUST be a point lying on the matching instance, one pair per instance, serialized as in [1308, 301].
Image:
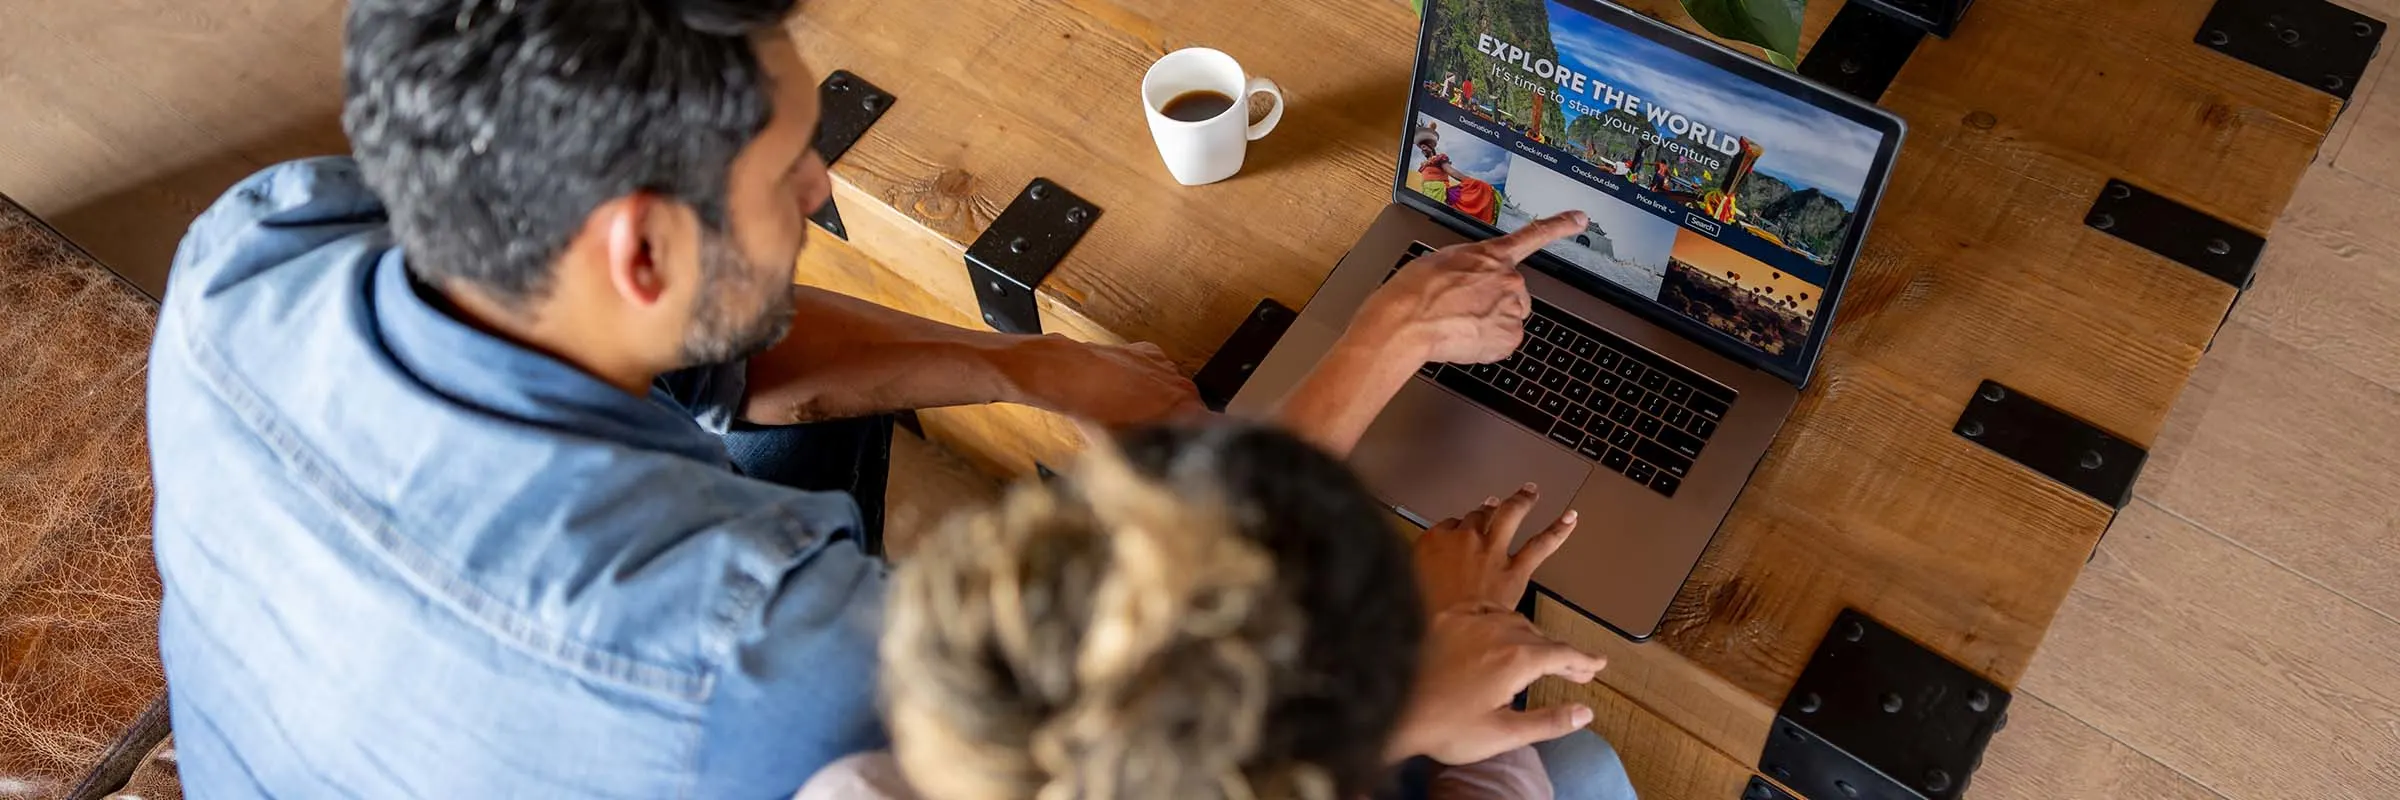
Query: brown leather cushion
[78, 591]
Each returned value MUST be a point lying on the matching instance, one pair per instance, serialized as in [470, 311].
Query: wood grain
[2225, 667]
[2329, 281]
[2045, 754]
[2293, 458]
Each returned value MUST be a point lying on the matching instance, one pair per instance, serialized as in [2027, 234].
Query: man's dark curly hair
[492, 128]
[1213, 612]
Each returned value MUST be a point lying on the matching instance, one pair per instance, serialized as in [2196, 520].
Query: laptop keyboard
[1609, 400]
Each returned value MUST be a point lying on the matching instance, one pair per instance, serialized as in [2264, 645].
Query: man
[442, 506]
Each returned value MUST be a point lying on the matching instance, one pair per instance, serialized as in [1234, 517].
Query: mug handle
[1259, 129]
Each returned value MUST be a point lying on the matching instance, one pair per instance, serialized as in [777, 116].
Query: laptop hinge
[1028, 240]
[1877, 715]
[849, 105]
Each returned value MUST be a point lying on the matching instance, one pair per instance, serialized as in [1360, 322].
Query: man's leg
[849, 455]
[1583, 767]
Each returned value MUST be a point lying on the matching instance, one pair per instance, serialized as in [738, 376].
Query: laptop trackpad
[1435, 455]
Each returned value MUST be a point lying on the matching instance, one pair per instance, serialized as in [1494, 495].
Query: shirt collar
[492, 375]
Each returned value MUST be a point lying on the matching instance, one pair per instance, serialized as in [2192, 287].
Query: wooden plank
[2044, 754]
[2293, 458]
[1662, 761]
[2326, 283]
[2253, 680]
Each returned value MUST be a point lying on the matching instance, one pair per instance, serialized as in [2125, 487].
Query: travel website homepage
[1529, 108]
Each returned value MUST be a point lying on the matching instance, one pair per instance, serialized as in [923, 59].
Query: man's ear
[633, 254]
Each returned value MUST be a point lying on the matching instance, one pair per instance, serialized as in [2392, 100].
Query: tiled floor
[2237, 636]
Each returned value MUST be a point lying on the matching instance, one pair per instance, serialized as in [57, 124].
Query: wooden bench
[1980, 266]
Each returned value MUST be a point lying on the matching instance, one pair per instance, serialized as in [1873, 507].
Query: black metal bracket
[2312, 42]
[1876, 715]
[1763, 789]
[1222, 377]
[847, 105]
[2213, 246]
[2052, 442]
[1861, 51]
[1021, 247]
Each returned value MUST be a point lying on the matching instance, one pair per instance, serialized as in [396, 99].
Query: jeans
[846, 455]
[1581, 765]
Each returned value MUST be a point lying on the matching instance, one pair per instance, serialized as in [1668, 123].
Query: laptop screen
[1731, 204]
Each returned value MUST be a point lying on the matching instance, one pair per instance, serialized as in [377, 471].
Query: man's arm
[1460, 304]
[849, 358]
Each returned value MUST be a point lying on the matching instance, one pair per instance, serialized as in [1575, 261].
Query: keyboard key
[1640, 472]
[1531, 393]
[1607, 382]
[1568, 435]
[1429, 369]
[1665, 460]
[1560, 336]
[1508, 381]
[1484, 372]
[1554, 404]
[1632, 371]
[1648, 425]
[1493, 398]
[1560, 359]
[1536, 327]
[1576, 416]
[1607, 359]
[1624, 414]
[1512, 360]
[1578, 392]
[1583, 370]
[1702, 428]
[1679, 391]
[1599, 427]
[1630, 393]
[1680, 442]
[1666, 484]
[1707, 406]
[1592, 448]
[1531, 371]
[1677, 416]
[1535, 349]
[1554, 380]
[1600, 404]
[1616, 459]
[1584, 348]
[1623, 437]
[1655, 381]
[1655, 404]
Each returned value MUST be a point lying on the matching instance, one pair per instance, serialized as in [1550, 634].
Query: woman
[1224, 611]
[1445, 183]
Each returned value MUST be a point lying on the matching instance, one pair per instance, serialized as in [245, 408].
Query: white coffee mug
[1209, 150]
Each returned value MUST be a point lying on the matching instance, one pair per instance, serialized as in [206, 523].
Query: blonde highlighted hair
[1146, 630]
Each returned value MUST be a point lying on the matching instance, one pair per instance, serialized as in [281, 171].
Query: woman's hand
[1478, 656]
[1466, 559]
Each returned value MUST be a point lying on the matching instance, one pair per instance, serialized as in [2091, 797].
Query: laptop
[1668, 341]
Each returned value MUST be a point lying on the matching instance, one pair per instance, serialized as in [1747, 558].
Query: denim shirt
[404, 558]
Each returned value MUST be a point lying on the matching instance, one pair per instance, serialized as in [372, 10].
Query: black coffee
[1197, 106]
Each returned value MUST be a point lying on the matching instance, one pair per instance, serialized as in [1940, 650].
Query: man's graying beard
[719, 333]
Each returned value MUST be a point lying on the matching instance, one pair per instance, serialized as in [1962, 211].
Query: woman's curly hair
[1218, 612]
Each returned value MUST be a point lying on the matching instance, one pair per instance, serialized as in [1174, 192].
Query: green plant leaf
[1771, 24]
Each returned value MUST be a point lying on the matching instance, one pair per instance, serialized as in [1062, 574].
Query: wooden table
[1979, 266]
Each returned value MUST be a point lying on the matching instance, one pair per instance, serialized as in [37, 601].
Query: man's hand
[1466, 559]
[1466, 303]
[1478, 656]
[1106, 384]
